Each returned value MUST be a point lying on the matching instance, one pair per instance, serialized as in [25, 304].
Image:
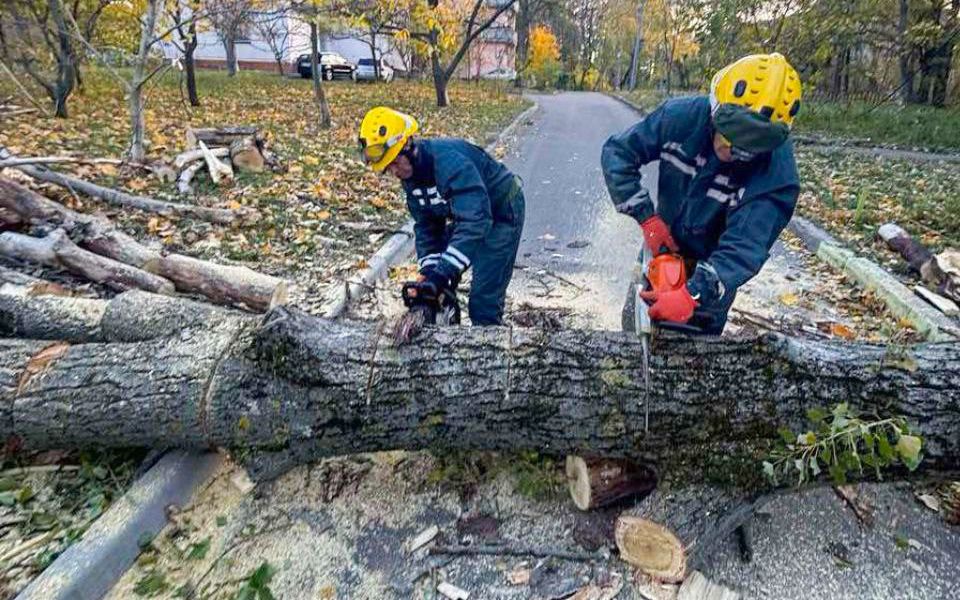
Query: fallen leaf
[310, 160]
[930, 501]
[841, 330]
[789, 299]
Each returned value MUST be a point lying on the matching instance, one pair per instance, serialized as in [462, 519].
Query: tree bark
[220, 136]
[66, 61]
[58, 250]
[137, 150]
[599, 482]
[318, 94]
[190, 65]
[230, 48]
[220, 283]
[222, 216]
[314, 388]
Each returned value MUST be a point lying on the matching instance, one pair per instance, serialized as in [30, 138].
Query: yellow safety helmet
[753, 102]
[764, 83]
[383, 133]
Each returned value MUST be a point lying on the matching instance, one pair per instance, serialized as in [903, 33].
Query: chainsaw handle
[680, 327]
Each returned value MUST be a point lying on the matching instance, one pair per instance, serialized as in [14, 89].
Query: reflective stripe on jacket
[456, 193]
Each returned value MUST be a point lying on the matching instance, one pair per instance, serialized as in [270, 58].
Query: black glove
[430, 296]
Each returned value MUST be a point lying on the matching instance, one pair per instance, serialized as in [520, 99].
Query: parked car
[332, 66]
[502, 73]
[365, 70]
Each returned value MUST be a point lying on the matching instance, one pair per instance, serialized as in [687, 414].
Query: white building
[290, 39]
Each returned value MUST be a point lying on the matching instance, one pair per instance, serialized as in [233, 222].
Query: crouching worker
[468, 211]
[728, 183]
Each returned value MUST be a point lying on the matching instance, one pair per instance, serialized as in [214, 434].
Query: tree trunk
[906, 74]
[314, 388]
[318, 94]
[637, 46]
[190, 65]
[137, 151]
[224, 284]
[230, 48]
[66, 72]
[439, 75]
[599, 482]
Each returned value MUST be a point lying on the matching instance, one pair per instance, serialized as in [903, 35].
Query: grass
[911, 126]
[852, 195]
[324, 184]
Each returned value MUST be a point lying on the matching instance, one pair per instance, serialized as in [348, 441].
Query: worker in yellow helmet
[727, 183]
[468, 210]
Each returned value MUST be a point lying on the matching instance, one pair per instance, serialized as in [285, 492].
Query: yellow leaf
[323, 215]
[789, 299]
[137, 184]
[234, 205]
[108, 170]
[310, 160]
[378, 201]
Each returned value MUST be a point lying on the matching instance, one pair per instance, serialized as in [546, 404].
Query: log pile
[221, 151]
[94, 249]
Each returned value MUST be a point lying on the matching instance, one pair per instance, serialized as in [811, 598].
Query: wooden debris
[246, 156]
[242, 482]
[520, 575]
[424, 538]
[944, 305]
[606, 587]
[219, 136]
[937, 271]
[698, 587]
[598, 482]
[185, 180]
[217, 168]
[185, 158]
[452, 592]
[651, 547]
[857, 503]
[506, 550]
[118, 198]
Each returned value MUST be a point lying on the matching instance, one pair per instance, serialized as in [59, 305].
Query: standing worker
[468, 211]
[728, 183]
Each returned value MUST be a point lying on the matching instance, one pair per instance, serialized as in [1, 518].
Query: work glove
[430, 293]
[705, 285]
[675, 305]
[657, 236]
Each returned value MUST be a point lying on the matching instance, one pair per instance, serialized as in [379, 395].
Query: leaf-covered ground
[853, 195]
[319, 218]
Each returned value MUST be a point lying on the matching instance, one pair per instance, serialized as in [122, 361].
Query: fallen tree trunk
[220, 283]
[172, 209]
[314, 388]
[58, 250]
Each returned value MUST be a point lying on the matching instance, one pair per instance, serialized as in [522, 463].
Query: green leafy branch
[842, 443]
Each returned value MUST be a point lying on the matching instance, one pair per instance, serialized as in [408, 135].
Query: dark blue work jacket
[456, 194]
[725, 214]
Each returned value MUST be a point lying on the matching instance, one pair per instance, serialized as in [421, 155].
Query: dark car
[332, 66]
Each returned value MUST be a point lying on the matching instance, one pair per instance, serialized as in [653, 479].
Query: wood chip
[944, 305]
[452, 592]
[241, 481]
[424, 538]
[519, 576]
[930, 501]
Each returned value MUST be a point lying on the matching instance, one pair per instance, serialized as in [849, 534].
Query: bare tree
[311, 13]
[186, 43]
[272, 27]
[230, 19]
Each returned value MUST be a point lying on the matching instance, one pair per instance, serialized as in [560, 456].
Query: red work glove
[675, 305]
[657, 236]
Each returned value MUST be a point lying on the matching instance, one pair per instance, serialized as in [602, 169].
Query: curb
[897, 297]
[628, 103]
[398, 248]
[89, 568]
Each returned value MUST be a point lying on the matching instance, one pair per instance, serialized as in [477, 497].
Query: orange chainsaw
[662, 273]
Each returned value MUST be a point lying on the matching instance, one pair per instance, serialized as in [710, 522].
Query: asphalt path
[577, 252]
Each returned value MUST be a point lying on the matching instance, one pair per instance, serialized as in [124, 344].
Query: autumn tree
[185, 41]
[313, 12]
[271, 22]
[543, 57]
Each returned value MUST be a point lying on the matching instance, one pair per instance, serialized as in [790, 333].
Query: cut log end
[652, 548]
[596, 482]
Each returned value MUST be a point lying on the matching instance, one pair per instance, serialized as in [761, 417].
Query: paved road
[558, 158]
[806, 545]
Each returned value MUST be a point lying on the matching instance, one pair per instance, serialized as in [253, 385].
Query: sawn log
[163, 371]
